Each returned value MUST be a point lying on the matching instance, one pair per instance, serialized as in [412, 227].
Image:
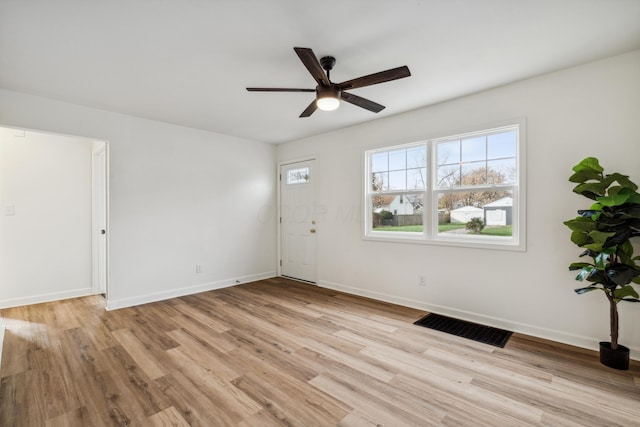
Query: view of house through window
[463, 188]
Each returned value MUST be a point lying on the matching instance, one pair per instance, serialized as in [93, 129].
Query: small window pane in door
[298, 176]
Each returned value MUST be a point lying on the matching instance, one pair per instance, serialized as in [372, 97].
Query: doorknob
[312, 231]
[103, 231]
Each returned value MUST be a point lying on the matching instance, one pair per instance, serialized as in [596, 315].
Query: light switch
[9, 210]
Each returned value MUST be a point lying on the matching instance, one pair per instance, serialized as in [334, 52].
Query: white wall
[591, 110]
[178, 197]
[45, 246]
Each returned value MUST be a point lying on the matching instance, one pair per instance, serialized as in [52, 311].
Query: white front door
[298, 220]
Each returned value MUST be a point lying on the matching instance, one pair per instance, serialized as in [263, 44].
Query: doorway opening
[54, 217]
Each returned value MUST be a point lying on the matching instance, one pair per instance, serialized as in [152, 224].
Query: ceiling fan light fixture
[328, 100]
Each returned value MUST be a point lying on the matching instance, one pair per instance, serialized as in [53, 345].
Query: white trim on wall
[38, 299]
[523, 328]
[189, 290]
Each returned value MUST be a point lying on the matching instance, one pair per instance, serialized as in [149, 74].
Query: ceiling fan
[329, 94]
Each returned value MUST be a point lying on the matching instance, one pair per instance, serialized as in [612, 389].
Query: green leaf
[601, 261]
[625, 291]
[590, 164]
[599, 236]
[579, 265]
[626, 251]
[590, 213]
[634, 198]
[622, 180]
[580, 238]
[585, 175]
[620, 198]
[585, 273]
[595, 247]
[622, 274]
[580, 224]
[581, 291]
[591, 190]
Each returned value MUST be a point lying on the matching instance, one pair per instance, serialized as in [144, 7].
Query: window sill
[485, 242]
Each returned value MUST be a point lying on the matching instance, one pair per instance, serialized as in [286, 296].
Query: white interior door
[100, 219]
[299, 226]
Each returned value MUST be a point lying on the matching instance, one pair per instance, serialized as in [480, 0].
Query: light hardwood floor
[277, 352]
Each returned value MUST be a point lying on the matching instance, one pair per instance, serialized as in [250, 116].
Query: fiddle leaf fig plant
[604, 232]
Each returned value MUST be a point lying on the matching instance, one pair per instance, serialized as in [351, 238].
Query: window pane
[501, 145]
[417, 157]
[398, 180]
[379, 181]
[390, 170]
[474, 149]
[397, 160]
[448, 153]
[416, 178]
[474, 173]
[448, 176]
[501, 171]
[298, 176]
[379, 162]
[398, 213]
[494, 208]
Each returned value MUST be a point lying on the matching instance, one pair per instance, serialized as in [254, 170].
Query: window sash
[431, 192]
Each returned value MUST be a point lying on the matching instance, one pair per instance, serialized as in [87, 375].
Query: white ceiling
[188, 61]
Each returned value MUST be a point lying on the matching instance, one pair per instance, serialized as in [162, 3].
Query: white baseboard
[179, 292]
[37, 299]
[590, 343]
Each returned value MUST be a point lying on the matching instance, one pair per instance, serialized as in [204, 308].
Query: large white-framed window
[465, 189]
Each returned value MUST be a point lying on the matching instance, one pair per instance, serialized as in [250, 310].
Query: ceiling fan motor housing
[327, 62]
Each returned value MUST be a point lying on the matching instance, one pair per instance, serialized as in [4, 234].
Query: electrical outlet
[198, 268]
[422, 281]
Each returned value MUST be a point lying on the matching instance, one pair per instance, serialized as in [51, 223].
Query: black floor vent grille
[473, 331]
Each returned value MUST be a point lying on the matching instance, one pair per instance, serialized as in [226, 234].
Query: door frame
[99, 189]
[279, 210]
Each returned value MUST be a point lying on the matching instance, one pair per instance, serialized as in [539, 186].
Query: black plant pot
[616, 359]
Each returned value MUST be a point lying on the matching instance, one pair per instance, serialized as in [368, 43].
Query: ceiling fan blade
[309, 110]
[310, 61]
[373, 79]
[362, 102]
[277, 89]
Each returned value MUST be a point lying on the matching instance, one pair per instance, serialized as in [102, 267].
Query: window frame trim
[429, 235]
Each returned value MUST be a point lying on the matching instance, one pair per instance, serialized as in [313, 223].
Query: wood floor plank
[202, 353]
[192, 402]
[378, 410]
[237, 405]
[278, 352]
[76, 417]
[139, 352]
[169, 417]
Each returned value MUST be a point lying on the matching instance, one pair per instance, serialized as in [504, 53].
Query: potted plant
[605, 231]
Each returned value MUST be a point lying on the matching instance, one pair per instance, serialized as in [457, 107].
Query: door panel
[298, 222]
